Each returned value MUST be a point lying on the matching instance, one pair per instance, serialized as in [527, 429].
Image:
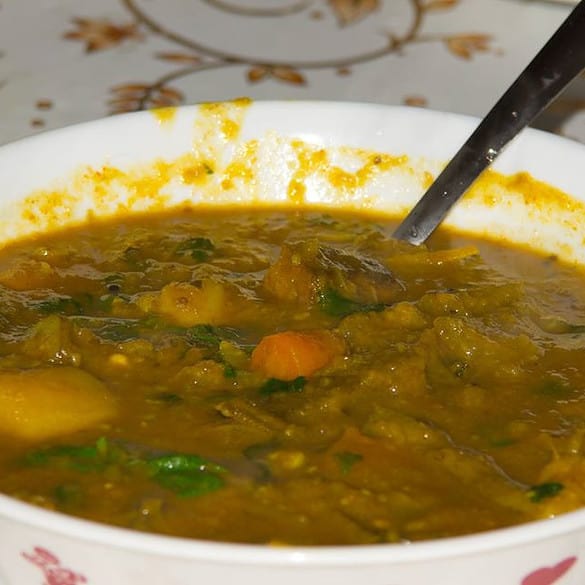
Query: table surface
[68, 61]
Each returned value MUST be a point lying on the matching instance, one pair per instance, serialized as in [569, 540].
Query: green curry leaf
[204, 336]
[543, 491]
[347, 460]
[273, 385]
[186, 475]
[177, 463]
[208, 336]
[229, 371]
[168, 398]
[200, 249]
[83, 458]
[61, 305]
[332, 303]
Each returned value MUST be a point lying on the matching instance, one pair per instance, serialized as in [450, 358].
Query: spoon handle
[557, 63]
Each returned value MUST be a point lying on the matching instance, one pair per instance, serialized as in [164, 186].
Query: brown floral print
[349, 11]
[101, 34]
[466, 45]
[191, 56]
[140, 96]
[284, 74]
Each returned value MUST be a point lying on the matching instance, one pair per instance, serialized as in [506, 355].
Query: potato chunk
[28, 275]
[186, 305]
[44, 403]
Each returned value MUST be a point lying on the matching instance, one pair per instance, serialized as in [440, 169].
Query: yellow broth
[289, 377]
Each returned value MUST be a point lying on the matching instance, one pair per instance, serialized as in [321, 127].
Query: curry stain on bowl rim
[221, 168]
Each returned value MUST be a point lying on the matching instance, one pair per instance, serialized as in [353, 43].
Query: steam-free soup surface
[289, 377]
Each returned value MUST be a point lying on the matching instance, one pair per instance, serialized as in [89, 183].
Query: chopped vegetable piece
[44, 403]
[166, 398]
[183, 464]
[208, 336]
[334, 304]
[80, 457]
[186, 304]
[199, 249]
[273, 386]
[67, 305]
[543, 491]
[289, 280]
[347, 460]
[291, 354]
[229, 371]
[187, 475]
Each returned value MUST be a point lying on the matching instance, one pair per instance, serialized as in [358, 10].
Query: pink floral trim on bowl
[50, 565]
[549, 575]
[55, 574]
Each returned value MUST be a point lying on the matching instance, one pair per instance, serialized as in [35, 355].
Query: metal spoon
[558, 62]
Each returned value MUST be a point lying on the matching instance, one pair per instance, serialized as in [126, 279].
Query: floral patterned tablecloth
[67, 61]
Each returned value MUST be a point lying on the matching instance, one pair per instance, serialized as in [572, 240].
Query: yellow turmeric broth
[289, 377]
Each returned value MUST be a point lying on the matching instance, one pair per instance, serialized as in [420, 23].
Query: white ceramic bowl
[257, 153]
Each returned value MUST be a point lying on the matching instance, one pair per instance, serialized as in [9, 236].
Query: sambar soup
[289, 377]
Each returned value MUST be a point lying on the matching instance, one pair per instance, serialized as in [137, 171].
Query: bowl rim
[269, 106]
[290, 115]
[88, 531]
[246, 554]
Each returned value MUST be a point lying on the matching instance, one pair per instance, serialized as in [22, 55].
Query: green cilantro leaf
[186, 475]
[543, 491]
[273, 385]
[200, 249]
[347, 460]
[332, 303]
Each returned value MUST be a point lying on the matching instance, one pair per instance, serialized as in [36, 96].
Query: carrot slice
[290, 354]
